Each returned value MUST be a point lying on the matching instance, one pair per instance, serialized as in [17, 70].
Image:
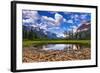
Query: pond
[61, 46]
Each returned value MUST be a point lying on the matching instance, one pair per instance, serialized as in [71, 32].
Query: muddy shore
[31, 54]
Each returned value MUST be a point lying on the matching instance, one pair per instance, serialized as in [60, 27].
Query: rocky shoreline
[32, 54]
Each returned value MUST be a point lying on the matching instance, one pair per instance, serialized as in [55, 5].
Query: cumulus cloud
[53, 24]
[30, 16]
[74, 27]
[56, 21]
[83, 16]
[70, 21]
[27, 20]
[56, 28]
[61, 35]
[33, 25]
[48, 19]
[33, 16]
[64, 20]
[44, 27]
[76, 16]
[58, 18]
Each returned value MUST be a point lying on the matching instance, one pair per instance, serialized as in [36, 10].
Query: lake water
[62, 46]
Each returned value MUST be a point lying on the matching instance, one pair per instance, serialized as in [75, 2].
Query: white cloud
[27, 20]
[83, 16]
[33, 25]
[69, 29]
[64, 20]
[32, 17]
[61, 35]
[58, 18]
[72, 16]
[46, 23]
[76, 16]
[70, 21]
[30, 14]
[44, 27]
[74, 27]
[83, 21]
[56, 22]
[49, 19]
[57, 28]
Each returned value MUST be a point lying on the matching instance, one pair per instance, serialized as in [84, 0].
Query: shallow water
[62, 46]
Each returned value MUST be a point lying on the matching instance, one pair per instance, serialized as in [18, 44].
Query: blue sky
[55, 22]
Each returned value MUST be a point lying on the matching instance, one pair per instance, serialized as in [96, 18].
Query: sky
[55, 22]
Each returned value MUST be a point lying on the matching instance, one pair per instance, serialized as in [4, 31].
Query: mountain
[40, 33]
[84, 31]
[84, 27]
[51, 35]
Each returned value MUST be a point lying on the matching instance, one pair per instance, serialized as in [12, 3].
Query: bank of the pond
[29, 43]
[32, 54]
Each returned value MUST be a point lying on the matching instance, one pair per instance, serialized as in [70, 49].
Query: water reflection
[62, 46]
[56, 46]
